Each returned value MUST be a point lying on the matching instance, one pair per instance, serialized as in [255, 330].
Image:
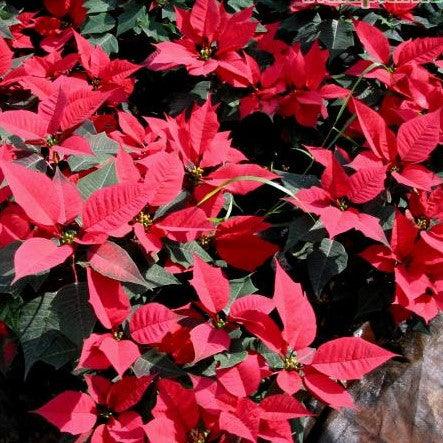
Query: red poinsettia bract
[337, 201]
[80, 414]
[211, 41]
[401, 155]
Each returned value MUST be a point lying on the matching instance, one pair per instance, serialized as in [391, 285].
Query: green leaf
[238, 5]
[309, 32]
[98, 24]
[40, 337]
[7, 271]
[38, 317]
[105, 176]
[157, 276]
[96, 6]
[82, 163]
[52, 327]
[326, 261]
[51, 347]
[154, 362]
[108, 42]
[337, 35]
[201, 90]
[159, 32]
[228, 360]
[33, 161]
[134, 11]
[277, 6]
[240, 287]
[10, 308]
[179, 202]
[273, 360]
[181, 253]
[4, 30]
[295, 182]
[8, 18]
[304, 228]
[76, 317]
[101, 144]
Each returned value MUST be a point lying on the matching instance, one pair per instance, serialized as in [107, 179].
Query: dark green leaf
[181, 253]
[157, 276]
[304, 228]
[134, 11]
[96, 6]
[337, 35]
[51, 347]
[108, 42]
[227, 360]
[274, 360]
[326, 261]
[38, 317]
[105, 176]
[238, 5]
[7, 266]
[154, 362]
[98, 24]
[295, 182]
[76, 317]
[157, 31]
[178, 203]
[240, 287]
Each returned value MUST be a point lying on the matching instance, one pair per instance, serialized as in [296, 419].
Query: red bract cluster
[214, 407]
[134, 238]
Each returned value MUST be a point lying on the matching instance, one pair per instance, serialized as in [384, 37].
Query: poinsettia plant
[202, 202]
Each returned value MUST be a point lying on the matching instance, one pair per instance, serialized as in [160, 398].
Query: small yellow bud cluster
[95, 82]
[117, 334]
[68, 237]
[51, 140]
[144, 219]
[290, 363]
[196, 173]
[198, 436]
[206, 52]
[423, 223]
[342, 203]
[218, 322]
[205, 240]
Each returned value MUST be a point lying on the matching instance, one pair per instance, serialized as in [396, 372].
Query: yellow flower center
[117, 334]
[218, 322]
[51, 141]
[422, 223]
[95, 82]
[68, 237]
[205, 240]
[198, 436]
[196, 173]
[206, 52]
[106, 415]
[290, 363]
[342, 203]
[104, 412]
[144, 219]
